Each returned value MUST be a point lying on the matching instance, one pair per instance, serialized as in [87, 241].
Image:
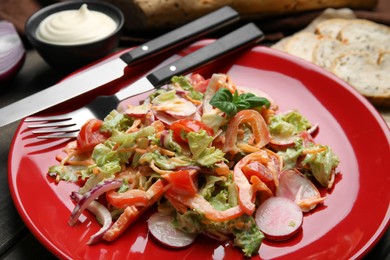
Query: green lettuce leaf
[248, 237]
[68, 173]
[183, 82]
[116, 121]
[198, 142]
[321, 164]
[288, 124]
[210, 156]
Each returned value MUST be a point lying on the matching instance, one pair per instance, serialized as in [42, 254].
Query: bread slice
[332, 27]
[328, 49]
[365, 74]
[281, 44]
[366, 33]
[302, 45]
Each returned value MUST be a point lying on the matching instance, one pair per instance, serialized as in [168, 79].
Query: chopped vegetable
[212, 158]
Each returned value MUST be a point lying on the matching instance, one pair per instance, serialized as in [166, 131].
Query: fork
[68, 125]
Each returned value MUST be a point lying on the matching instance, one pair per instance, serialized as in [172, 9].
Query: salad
[208, 156]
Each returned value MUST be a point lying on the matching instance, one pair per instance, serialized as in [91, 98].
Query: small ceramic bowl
[71, 57]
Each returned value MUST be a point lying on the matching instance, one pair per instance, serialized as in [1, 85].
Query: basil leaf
[258, 102]
[222, 94]
[232, 103]
[242, 105]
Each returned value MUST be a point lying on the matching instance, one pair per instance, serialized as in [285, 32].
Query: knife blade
[104, 73]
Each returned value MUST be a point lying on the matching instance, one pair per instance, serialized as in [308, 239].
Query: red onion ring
[12, 52]
[91, 196]
[101, 212]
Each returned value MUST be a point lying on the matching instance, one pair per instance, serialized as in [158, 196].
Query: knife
[109, 71]
[103, 105]
[242, 37]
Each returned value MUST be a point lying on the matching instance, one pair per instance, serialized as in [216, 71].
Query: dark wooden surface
[16, 241]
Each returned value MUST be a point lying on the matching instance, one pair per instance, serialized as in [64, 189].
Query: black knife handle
[244, 36]
[191, 31]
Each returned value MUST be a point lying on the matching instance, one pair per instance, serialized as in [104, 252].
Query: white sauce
[75, 27]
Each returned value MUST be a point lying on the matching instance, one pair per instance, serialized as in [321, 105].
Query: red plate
[355, 214]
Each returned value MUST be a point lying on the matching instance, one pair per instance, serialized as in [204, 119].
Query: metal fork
[68, 125]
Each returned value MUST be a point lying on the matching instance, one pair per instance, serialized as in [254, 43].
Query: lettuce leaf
[321, 164]
[288, 124]
[210, 156]
[198, 142]
[248, 236]
[70, 173]
[116, 121]
[183, 82]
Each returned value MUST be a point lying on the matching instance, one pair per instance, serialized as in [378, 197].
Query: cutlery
[107, 72]
[102, 105]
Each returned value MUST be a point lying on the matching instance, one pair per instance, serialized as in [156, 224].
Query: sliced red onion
[91, 196]
[181, 92]
[313, 130]
[12, 52]
[101, 212]
[163, 135]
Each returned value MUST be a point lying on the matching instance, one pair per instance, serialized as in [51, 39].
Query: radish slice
[177, 107]
[161, 227]
[282, 142]
[279, 218]
[137, 111]
[169, 119]
[297, 187]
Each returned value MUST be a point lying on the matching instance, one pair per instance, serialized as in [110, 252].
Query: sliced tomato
[90, 135]
[200, 84]
[264, 165]
[182, 127]
[182, 182]
[256, 168]
[133, 197]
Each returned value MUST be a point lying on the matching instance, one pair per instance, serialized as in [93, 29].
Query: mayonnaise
[75, 27]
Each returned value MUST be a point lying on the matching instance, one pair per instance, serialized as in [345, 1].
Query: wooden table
[16, 241]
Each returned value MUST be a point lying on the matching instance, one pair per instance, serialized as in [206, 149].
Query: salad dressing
[220, 180]
[75, 27]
